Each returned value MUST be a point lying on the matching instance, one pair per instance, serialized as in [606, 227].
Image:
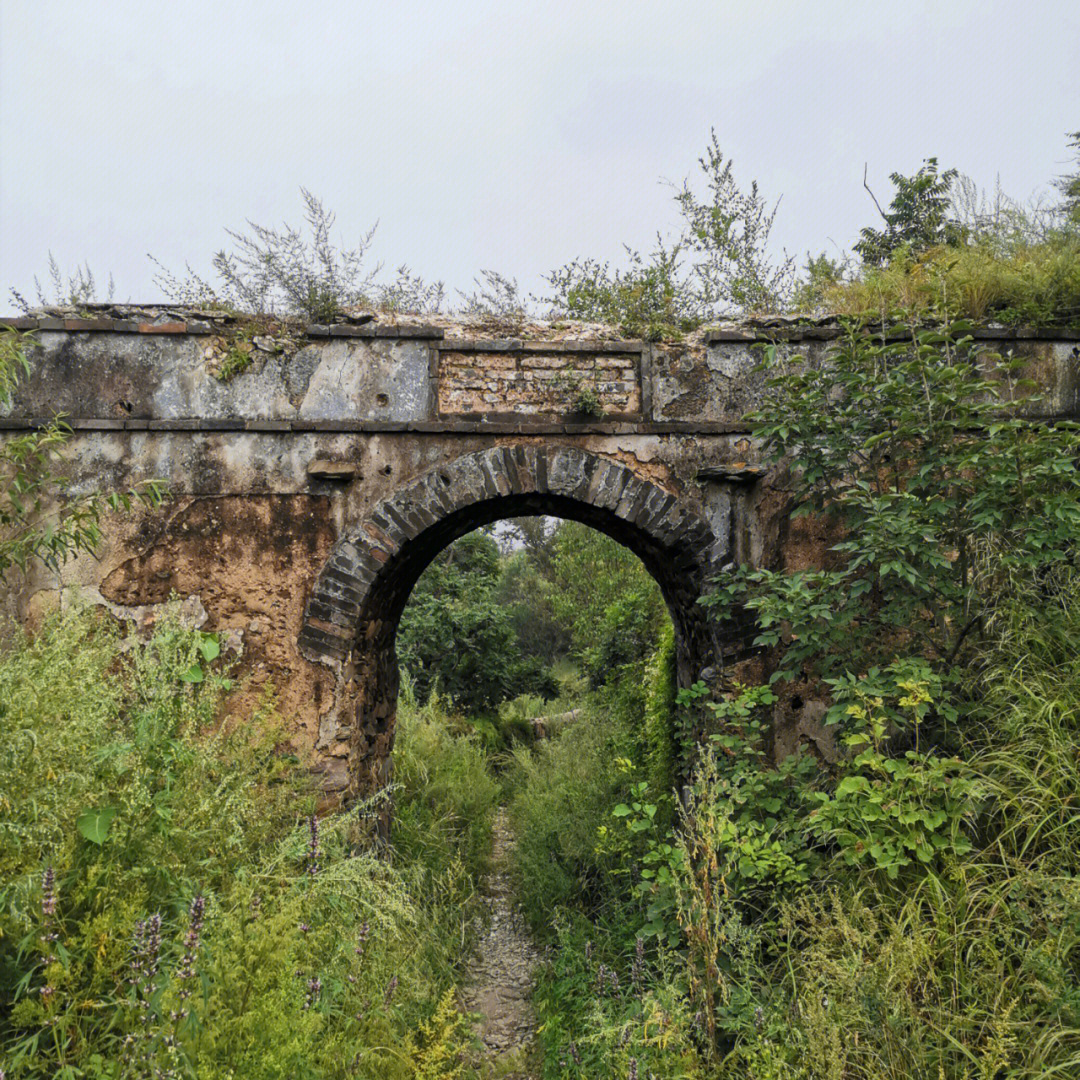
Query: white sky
[502, 135]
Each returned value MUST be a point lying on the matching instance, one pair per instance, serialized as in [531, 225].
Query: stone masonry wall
[533, 381]
[278, 474]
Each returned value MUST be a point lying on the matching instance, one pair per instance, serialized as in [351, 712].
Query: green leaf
[210, 648]
[94, 824]
[194, 674]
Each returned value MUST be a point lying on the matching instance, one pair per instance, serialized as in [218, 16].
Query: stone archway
[351, 617]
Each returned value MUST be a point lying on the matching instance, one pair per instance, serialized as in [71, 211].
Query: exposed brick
[163, 328]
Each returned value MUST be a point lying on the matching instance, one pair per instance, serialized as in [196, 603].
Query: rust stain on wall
[251, 560]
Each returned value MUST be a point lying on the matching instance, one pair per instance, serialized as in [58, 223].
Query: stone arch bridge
[311, 488]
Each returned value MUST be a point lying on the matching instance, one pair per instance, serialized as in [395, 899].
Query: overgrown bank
[171, 906]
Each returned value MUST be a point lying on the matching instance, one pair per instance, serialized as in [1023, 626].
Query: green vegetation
[483, 628]
[719, 263]
[947, 252]
[170, 903]
[457, 637]
[287, 272]
[75, 290]
[942, 250]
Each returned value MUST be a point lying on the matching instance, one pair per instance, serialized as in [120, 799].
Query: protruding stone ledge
[737, 473]
[414, 332]
[473, 426]
[338, 471]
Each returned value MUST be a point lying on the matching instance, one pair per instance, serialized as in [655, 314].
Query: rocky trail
[501, 975]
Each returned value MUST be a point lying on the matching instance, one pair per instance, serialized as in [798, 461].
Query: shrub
[564, 790]
[282, 271]
[944, 499]
[169, 903]
[718, 265]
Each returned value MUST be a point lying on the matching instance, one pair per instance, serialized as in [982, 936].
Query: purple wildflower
[48, 893]
[48, 913]
[145, 957]
[314, 989]
[637, 968]
[607, 981]
[361, 939]
[574, 1055]
[186, 970]
[312, 861]
[632, 1071]
[391, 987]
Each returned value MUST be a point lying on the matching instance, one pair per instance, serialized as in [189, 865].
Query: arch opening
[352, 618]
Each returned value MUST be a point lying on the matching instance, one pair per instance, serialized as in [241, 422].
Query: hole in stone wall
[382, 399]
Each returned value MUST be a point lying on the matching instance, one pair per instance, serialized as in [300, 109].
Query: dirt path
[502, 972]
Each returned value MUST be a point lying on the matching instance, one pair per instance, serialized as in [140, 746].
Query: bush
[445, 793]
[169, 902]
[718, 265]
[564, 790]
[1030, 284]
[285, 272]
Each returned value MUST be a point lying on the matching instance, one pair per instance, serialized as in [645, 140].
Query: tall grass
[1026, 283]
[170, 906]
[965, 968]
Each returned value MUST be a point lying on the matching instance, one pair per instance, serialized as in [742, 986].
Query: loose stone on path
[501, 975]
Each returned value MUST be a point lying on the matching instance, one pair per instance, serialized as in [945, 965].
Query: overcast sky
[504, 135]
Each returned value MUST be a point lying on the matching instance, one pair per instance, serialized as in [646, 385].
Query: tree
[456, 636]
[945, 501]
[1069, 185]
[525, 593]
[603, 593]
[917, 217]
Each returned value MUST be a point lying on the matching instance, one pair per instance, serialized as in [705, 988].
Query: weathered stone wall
[310, 490]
